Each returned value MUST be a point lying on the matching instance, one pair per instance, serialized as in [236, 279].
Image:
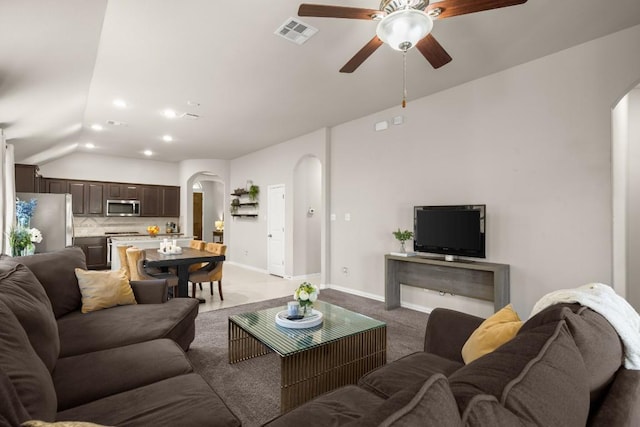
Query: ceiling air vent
[115, 123]
[296, 31]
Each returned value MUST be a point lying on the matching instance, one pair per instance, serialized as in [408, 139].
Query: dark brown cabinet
[27, 179]
[87, 198]
[170, 201]
[119, 191]
[150, 201]
[95, 251]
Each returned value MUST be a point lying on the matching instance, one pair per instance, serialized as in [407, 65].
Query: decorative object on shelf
[306, 294]
[219, 225]
[245, 201]
[153, 230]
[22, 237]
[402, 237]
[254, 190]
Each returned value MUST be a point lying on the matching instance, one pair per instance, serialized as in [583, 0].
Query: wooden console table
[481, 280]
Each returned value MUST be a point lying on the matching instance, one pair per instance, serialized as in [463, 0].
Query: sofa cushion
[185, 400]
[491, 334]
[428, 403]
[127, 324]
[103, 289]
[12, 413]
[597, 341]
[38, 423]
[413, 369]
[26, 298]
[336, 408]
[28, 374]
[121, 369]
[55, 271]
[538, 376]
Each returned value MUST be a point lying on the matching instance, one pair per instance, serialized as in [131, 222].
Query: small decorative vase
[402, 249]
[307, 310]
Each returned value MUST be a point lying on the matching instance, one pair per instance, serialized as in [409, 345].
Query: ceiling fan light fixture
[404, 28]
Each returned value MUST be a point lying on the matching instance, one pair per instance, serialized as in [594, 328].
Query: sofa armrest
[150, 291]
[447, 331]
[620, 405]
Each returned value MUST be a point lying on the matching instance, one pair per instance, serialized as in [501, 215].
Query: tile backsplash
[98, 226]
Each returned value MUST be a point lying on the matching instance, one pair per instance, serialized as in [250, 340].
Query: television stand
[482, 280]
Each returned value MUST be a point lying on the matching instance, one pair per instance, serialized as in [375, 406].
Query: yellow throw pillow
[491, 334]
[103, 289]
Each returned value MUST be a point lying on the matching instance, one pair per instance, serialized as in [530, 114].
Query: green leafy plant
[254, 190]
[19, 239]
[403, 236]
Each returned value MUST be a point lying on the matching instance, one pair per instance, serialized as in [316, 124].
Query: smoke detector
[296, 31]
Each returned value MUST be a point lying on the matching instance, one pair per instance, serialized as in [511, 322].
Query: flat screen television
[450, 230]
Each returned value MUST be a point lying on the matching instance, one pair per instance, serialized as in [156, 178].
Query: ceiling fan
[404, 24]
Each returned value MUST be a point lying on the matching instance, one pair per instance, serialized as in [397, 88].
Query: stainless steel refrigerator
[54, 218]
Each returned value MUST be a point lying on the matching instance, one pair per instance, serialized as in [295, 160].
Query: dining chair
[210, 272]
[193, 244]
[124, 262]
[137, 270]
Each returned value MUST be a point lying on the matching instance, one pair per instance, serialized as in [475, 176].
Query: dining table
[181, 261]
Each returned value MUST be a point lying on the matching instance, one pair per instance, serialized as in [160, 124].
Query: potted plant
[253, 192]
[403, 236]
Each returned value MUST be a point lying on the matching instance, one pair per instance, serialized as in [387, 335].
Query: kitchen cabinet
[53, 185]
[121, 191]
[170, 201]
[87, 197]
[160, 201]
[27, 179]
[150, 200]
[95, 251]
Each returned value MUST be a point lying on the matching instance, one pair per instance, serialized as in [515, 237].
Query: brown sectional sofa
[563, 368]
[122, 366]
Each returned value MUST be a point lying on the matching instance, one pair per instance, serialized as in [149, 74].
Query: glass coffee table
[315, 360]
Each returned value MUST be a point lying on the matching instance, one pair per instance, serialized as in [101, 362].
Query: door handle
[269, 235]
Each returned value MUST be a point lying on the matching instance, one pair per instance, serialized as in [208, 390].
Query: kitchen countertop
[145, 237]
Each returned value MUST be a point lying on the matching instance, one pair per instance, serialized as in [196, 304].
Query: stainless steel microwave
[123, 207]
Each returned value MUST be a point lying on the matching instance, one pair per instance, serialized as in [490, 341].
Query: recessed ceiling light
[167, 138]
[120, 103]
[147, 152]
[90, 145]
[96, 126]
[170, 114]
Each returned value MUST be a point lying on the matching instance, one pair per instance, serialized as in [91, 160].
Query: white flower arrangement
[306, 294]
[36, 235]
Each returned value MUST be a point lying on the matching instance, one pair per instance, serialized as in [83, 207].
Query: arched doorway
[625, 119]
[206, 204]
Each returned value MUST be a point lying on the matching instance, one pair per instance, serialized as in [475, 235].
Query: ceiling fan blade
[324, 11]
[362, 55]
[433, 52]
[451, 8]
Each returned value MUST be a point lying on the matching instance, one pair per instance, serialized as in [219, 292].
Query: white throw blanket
[602, 299]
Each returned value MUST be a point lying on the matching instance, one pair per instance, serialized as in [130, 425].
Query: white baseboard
[355, 292]
[248, 267]
[376, 297]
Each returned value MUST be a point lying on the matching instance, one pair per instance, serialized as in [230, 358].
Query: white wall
[620, 174]
[95, 167]
[533, 143]
[307, 185]
[270, 166]
[633, 200]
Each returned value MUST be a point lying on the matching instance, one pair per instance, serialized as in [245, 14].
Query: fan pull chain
[404, 79]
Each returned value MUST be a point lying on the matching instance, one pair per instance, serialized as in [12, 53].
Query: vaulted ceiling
[64, 62]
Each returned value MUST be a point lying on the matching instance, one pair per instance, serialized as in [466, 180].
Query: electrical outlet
[345, 270]
[246, 253]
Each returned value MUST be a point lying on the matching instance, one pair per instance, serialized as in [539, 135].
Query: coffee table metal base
[311, 372]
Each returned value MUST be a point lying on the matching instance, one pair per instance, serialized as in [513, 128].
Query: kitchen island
[142, 242]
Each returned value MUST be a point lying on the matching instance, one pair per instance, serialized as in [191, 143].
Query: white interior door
[275, 226]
